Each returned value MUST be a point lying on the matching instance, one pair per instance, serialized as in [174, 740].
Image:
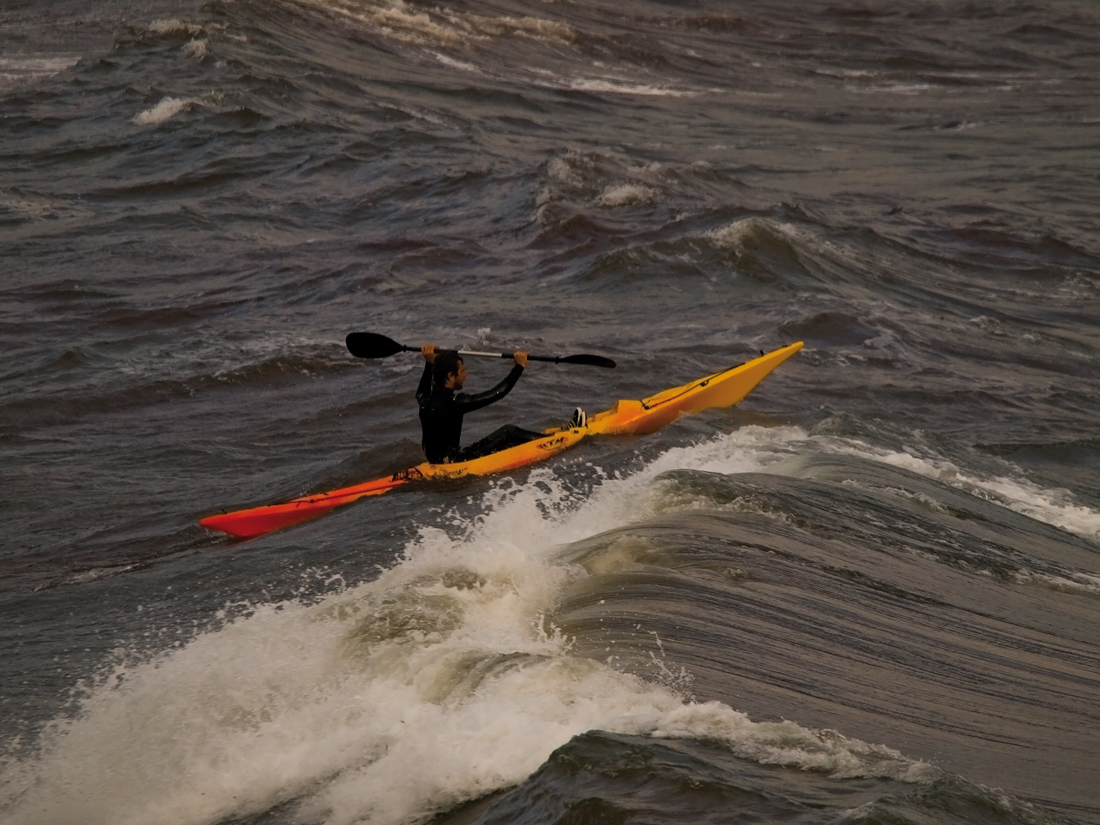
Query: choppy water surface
[870, 593]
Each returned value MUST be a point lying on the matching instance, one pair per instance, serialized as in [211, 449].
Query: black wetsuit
[441, 412]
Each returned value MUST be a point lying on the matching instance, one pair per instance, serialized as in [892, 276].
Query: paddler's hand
[429, 352]
[520, 357]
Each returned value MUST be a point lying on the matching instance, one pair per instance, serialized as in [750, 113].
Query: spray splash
[398, 698]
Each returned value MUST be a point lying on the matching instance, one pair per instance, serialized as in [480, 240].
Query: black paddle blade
[373, 345]
[588, 361]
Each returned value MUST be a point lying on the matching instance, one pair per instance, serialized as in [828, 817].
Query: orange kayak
[626, 417]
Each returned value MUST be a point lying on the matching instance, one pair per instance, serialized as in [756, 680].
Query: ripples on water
[868, 594]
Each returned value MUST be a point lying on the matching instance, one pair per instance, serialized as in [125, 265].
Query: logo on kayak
[411, 474]
[552, 443]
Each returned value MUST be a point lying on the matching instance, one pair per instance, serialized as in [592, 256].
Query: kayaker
[442, 407]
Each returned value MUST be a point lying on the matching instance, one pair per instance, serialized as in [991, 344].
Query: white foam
[755, 449]
[790, 745]
[174, 26]
[22, 69]
[168, 108]
[194, 49]
[734, 235]
[626, 194]
[386, 702]
[1050, 506]
[461, 65]
[534, 28]
[893, 88]
[562, 170]
[1054, 507]
[446, 27]
[608, 85]
[1073, 583]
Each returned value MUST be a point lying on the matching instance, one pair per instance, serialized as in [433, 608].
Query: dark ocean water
[868, 594]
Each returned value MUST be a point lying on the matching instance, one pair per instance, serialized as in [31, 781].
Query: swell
[841, 593]
[887, 603]
[601, 777]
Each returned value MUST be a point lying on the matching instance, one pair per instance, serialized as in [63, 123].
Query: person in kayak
[442, 407]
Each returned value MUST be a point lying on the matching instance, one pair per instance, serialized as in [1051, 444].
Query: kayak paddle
[373, 345]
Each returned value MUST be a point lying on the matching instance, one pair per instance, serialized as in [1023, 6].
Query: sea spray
[438, 682]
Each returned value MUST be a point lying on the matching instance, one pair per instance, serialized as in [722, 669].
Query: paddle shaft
[466, 352]
[553, 359]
